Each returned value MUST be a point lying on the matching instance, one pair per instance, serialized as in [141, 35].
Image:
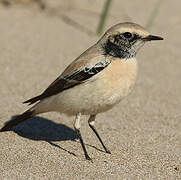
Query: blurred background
[38, 39]
[73, 12]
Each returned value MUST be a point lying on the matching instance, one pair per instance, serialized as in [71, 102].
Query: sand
[143, 132]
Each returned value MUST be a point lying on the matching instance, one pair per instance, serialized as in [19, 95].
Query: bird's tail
[26, 115]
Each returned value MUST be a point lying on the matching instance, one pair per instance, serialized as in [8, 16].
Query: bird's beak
[152, 38]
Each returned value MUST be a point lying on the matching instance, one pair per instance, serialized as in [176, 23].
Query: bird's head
[125, 39]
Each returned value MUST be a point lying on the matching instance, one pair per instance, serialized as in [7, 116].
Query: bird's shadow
[41, 129]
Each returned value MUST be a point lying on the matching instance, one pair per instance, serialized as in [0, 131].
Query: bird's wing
[76, 73]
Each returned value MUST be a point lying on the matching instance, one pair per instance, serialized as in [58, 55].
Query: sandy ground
[143, 132]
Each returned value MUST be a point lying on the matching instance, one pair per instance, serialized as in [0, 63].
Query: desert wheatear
[95, 81]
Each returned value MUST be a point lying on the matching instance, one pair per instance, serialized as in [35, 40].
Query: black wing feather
[65, 82]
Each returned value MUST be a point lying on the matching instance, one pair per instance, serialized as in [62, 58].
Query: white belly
[99, 94]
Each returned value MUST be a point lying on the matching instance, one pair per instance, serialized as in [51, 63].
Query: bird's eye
[127, 35]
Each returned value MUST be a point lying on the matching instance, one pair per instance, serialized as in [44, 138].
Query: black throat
[119, 51]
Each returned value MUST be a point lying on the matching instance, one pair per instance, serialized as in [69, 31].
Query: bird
[95, 81]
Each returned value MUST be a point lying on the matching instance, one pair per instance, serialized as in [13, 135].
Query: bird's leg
[91, 122]
[77, 129]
